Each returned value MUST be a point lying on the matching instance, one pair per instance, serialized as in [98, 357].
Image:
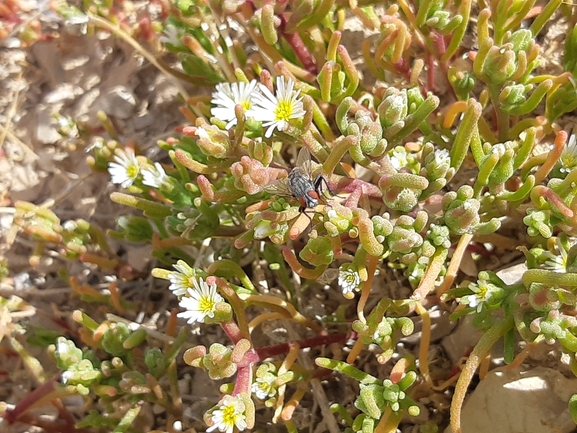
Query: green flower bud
[261, 151]
[340, 220]
[218, 362]
[538, 222]
[82, 375]
[318, 251]
[155, 361]
[193, 223]
[439, 236]
[135, 228]
[404, 240]
[556, 326]
[66, 353]
[394, 107]
[414, 99]
[114, 337]
[382, 227]
[522, 40]
[439, 20]
[462, 81]
[500, 64]
[514, 96]
[280, 204]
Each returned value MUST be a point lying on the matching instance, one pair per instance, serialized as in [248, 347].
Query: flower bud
[436, 164]
[394, 107]
[212, 140]
[318, 251]
[500, 64]
[250, 175]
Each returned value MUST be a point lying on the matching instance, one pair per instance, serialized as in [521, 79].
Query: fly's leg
[300, 225]
[321, 185]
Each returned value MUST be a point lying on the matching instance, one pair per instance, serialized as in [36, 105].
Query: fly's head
[310, 200]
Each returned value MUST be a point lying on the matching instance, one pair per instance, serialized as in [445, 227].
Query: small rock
[22, 281]
[118, 101]
[464, 338]
[63, 92]
[46, 132]
[142, 121]
[513, 401]
[6, 220]
[76, 25]
[138, 257]
[513, 274]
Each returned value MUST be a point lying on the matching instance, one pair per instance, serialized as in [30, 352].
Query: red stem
[321, 340]
[299, 48]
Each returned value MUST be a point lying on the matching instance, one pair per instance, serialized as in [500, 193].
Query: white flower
[230, 413]
[558, 262]
[66, 376]
[263, 229]
[154, 176]
[98, 143]
[442, 157]
[228, 96]
[484, 293]
[399, 158]
[200, 302]
[264, 387]
[201, 133]
[349, 280]
[275, 111]
[183, 279]
[171, 35]
[124, 170]
[568, 159]
[499, 149]
[62, 347]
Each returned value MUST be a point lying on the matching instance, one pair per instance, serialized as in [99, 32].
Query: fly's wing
[280, 187]
[304, 163]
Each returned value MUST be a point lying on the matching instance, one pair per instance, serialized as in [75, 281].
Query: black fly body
[300, 183]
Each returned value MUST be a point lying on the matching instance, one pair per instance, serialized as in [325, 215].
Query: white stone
[462, 340]
[118, 101]
[515, 401]
[513, 274]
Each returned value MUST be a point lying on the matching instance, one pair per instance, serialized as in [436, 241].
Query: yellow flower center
[132, 170]
[283, 110]
[206, 304]
[229, 415]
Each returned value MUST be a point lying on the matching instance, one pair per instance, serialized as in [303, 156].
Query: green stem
[549, 278]
[227, 269]
[483, 347]
[502, 117]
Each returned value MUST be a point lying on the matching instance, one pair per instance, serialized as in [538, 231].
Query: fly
[300, 183]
